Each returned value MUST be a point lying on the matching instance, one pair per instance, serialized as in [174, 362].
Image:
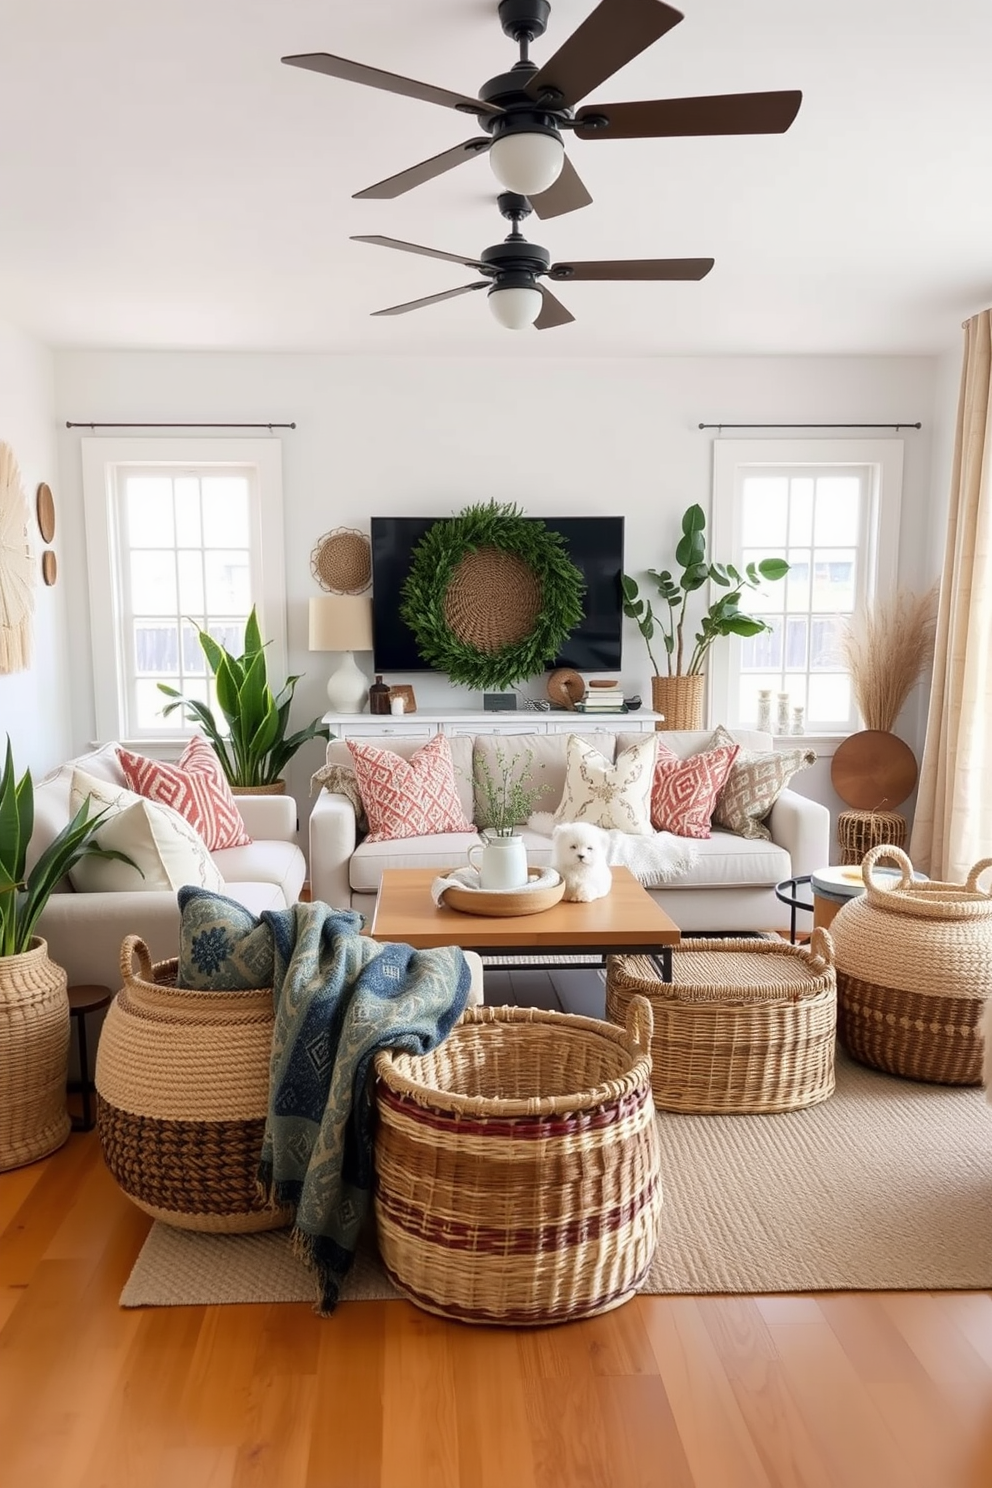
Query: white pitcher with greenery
[506, 798]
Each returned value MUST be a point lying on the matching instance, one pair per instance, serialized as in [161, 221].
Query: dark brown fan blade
[553, 312]
[727, 113]
[425, 171]
[448, 294]
[610, 37]
[566, 195]
[634, 268]
[470, 263]
[390, 82]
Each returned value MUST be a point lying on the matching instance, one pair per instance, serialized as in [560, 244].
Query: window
[180, 534]
[831, 509]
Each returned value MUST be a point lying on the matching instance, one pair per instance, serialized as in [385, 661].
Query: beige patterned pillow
[615, 797]
[341, 780]
[754, 784]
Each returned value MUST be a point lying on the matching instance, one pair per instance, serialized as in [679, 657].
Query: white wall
[422, 436]
[34, 704]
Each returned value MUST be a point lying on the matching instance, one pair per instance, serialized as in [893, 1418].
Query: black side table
[787, 892]
[82, 1000]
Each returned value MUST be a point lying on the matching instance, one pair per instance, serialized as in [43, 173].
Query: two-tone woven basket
[744, 1025]
[914, 970]
[518, 1166]
[182, 1080]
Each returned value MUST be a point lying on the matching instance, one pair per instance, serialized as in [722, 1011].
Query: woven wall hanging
[491, 595]
[17, 574]
[341, 561]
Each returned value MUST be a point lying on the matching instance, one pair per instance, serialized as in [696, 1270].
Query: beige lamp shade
[340, 622]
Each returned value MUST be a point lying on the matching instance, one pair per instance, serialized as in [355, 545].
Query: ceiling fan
[524, 111]
[512, 268]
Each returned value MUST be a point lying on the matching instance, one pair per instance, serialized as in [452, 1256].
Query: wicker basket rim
[809, 983]
[389, 1067]
[932, 900]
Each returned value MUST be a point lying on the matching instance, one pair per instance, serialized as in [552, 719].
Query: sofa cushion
[547, 766]
[222, 945]
[165, 849]
[616, 797]
[338, 753]
[413, 797]
[51, 796]
[684, 792]
[726, 861]
[275, 862]
[684, 742]
[195, 786]
[439, 850]
[756, 780]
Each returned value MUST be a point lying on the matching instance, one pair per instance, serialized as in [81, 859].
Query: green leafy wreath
[435, 560]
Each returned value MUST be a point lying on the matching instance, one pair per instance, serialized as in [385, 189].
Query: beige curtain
[952, 828]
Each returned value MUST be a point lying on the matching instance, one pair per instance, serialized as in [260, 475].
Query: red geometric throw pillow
[196, 787]
[684, 792]
[409, 798]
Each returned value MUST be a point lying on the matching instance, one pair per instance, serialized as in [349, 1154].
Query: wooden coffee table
[625, 922]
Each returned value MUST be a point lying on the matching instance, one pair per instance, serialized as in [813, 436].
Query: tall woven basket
[182, 1079]
[743, 1026]
[34, 1056]
[914, 969]
[681, 699]
[518, 1166]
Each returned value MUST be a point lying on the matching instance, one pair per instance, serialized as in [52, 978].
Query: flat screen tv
[595, 546]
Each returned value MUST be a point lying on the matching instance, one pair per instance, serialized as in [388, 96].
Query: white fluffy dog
[579, 854]
[987, 1064]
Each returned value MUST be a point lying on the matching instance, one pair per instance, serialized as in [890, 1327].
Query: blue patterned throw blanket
[339, 998]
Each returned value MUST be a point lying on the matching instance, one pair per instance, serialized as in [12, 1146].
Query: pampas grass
[887, 649]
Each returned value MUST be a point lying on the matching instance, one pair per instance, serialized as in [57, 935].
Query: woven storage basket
[182, 1079]
[744, 1025]
[680, 699]
[914, 969]
[34, 1056]
[518, 1166]
[859, 831]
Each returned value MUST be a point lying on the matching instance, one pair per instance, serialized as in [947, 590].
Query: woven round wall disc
[341, 561]
[493, 599]
[565, 687]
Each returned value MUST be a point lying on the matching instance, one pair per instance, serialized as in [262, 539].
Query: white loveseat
[729, 887]
[84, 931]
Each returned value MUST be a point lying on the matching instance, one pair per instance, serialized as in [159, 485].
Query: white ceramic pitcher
[502, 863]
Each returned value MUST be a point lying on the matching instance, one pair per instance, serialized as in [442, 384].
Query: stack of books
[603, 697]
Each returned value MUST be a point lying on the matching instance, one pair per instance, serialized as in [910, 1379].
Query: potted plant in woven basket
[678, 692]
[252, 746]
[34, 1007]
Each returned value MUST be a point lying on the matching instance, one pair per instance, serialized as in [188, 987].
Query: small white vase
[783, 722]
[502, 863]
[765, 710]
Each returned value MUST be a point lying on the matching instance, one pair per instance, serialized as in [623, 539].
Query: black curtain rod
[71, 424]
[904, 425]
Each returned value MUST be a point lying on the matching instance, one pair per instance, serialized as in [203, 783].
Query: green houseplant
[507, 796]
[681, 699]
[34, 1007]
[253, 746]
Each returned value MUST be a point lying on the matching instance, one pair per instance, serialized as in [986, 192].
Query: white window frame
[260, 460]
[732, 460]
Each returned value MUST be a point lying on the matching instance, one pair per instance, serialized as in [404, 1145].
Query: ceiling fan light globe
[516, 308]
[527, 163]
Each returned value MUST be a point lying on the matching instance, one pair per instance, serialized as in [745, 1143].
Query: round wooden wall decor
[565, 687]
[873, 771]
[341, 561]
[45, 509]
[49, 566]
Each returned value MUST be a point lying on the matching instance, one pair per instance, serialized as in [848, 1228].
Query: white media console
[424, 723]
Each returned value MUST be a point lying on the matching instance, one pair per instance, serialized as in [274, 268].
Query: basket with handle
[914, 970]
[182, 1080]
[518, 1166]
[743, 1026]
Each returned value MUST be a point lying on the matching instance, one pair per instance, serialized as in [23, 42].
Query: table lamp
[343, 622]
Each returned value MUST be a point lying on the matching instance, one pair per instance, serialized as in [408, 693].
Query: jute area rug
[885, 1186]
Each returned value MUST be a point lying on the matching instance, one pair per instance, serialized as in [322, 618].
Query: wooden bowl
[503, 902]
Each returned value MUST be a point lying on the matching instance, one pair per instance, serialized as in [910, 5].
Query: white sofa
[84, 931]
[730, 886]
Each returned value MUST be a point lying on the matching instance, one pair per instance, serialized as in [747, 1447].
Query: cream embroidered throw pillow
[755, 782]
[614, 797]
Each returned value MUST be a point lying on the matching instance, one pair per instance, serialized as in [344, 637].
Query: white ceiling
[166, 182]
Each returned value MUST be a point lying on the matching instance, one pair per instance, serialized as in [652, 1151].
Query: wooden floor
[866, 1390]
